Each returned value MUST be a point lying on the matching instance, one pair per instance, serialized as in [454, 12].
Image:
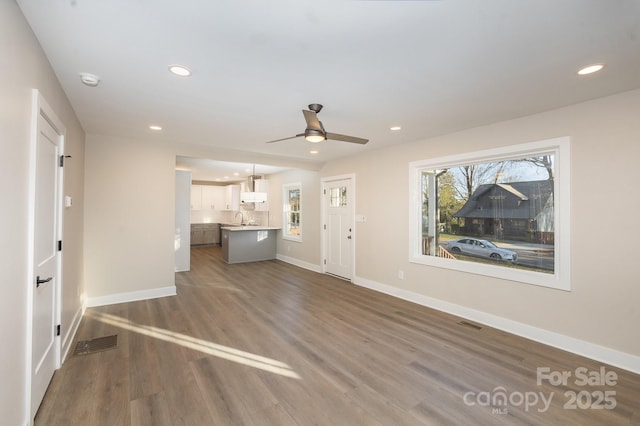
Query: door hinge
[59, 245]
[325, 261]
[62, 157]
[325, 226]
[58, 330]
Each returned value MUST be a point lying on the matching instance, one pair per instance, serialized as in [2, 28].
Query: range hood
[252, 196]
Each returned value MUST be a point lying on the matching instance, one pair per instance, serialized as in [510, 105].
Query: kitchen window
[292, 196]
[502, 213]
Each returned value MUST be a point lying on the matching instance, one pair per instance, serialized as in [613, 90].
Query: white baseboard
[133, 296]
[300, 263]
[593, 351]
[71, 333]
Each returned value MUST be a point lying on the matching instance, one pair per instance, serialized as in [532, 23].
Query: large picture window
[501, 213]
[292, 194]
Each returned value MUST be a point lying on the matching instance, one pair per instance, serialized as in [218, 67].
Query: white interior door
[339, 211]
[46, 260]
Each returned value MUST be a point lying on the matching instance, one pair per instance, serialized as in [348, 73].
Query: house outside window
[292, 220]
[501, 213]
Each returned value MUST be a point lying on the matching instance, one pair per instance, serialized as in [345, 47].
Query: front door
[339, 212]
[46, 265]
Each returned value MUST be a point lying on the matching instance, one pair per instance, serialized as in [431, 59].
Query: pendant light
[252, 196]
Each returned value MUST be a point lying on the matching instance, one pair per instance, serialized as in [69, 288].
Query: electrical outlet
[400, 274]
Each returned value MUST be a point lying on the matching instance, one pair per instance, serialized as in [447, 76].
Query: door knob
[39, 282]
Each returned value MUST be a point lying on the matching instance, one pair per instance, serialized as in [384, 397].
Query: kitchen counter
[248, 243]
[248, 228]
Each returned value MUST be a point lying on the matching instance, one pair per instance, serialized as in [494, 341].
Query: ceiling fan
[315, 130]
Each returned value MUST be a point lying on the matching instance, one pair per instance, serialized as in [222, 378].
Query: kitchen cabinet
[196, 197]
[248, 243]
[262, 185]
[232, 197]
[205, 233]
[213, 197]
[208, 197]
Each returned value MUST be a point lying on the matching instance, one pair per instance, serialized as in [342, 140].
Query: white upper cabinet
[196, 197]
[207, 197]
[262, 185]
[232, 197]
[213, 197]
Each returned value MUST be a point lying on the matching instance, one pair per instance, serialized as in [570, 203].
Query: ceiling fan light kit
[314, 136]
[315, 132]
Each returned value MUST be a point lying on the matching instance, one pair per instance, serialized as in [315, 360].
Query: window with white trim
[292, 220]
[502, 213]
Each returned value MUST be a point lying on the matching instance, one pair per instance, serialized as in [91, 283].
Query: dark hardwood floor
[268, 343]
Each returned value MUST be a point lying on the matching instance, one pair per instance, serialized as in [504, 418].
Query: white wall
[129, 219]
[602, 308]
[23, 67]
[306, 253]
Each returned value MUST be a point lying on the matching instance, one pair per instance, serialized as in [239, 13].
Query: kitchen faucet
[241, 217]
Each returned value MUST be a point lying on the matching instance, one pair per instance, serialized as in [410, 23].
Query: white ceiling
[432, 67]
[223, 171]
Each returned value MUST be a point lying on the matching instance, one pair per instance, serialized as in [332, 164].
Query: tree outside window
[495, 213]
[292, 212]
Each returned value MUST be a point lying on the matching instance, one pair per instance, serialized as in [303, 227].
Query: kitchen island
[248, 243]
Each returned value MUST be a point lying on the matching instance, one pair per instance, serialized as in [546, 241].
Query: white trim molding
[41, 108]
[70, 334]
[132, 296]
[300, 263]
[323, 220]
[590, 350]
[560, 149]
[286, 206]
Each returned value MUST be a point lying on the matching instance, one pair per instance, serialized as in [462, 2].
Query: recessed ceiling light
[394, 128]
[180, 70]
[314, 151]
[236, 174]
[155, 128]
[90, 80]
[590, 69]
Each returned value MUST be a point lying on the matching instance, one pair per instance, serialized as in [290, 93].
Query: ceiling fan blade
[285, 139]
[345, 138]
[312, 120]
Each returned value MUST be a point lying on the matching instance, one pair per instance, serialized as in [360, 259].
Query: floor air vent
[86, 347]
[471, 325]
